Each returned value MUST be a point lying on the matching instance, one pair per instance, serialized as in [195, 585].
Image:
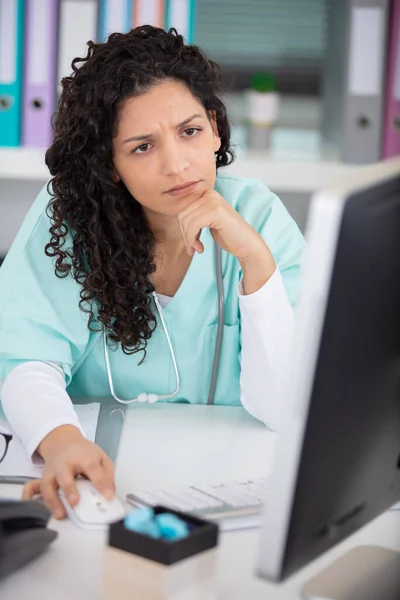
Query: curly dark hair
[112, 245]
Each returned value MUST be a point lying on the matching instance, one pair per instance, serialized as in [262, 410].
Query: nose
[174, 159]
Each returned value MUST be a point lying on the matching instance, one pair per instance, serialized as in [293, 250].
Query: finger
[199, 246]
[100, 477]
[191, 228]
[183, 234]
[30, 489]
[186, 217]
[196, 244]
[109, 470]
[209, 199]
[67, 483]
[195, 205]
[49, 489]
[194, 229]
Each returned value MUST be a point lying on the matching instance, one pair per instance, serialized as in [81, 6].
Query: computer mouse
[93, 510]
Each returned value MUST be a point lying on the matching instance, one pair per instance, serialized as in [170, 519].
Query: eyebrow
[140, 138]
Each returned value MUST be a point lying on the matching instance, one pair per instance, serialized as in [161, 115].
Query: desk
[167, 444]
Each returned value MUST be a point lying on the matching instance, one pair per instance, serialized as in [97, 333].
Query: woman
[131, 218]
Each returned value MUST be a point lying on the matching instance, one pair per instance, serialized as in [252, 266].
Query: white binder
[115, 16]
[78, 25]
[181, 15]
[354, 78]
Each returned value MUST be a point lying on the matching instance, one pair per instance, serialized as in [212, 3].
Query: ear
[214, 126]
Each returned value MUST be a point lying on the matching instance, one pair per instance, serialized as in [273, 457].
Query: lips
[185, 187]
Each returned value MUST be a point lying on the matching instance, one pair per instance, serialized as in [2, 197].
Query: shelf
[294, 177]
[294, 164]
[23, 164]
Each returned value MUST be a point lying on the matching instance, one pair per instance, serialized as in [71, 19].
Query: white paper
[16, 462]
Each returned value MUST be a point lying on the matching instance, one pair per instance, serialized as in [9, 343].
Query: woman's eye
[141, 149]
[191, 131]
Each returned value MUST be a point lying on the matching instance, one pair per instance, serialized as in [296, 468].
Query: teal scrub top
[40, 318]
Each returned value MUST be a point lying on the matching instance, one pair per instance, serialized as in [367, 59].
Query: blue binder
[115, 16]
[11, 55]
[181, 15]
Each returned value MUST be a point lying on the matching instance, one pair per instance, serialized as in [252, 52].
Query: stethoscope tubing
[217, 351]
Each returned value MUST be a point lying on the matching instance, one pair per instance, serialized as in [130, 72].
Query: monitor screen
[337, 460]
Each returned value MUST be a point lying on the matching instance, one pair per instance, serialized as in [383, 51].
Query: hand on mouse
[67, 454]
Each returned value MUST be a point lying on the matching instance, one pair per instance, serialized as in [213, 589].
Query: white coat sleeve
[35, 402]
[267, 322]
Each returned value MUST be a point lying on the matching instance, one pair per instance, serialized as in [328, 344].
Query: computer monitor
[337, 462]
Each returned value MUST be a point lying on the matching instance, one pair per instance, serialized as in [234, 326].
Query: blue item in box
[164, 525]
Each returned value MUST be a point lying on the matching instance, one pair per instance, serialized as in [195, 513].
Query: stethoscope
[151, 398]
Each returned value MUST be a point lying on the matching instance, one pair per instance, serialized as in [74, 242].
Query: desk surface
[171, 444]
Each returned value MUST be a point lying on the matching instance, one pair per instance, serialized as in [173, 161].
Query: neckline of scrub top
[200, 269]
[164, 300]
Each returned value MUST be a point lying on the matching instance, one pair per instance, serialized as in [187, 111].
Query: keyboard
[233, 505]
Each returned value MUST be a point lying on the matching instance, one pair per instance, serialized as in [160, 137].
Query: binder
[391, 132]
[78, 25]
[181, 15]
[11, 47]
[148, 12]
[354, 79]
[39, 81]
[115, 16]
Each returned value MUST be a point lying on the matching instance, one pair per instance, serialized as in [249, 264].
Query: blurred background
[312, 87]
